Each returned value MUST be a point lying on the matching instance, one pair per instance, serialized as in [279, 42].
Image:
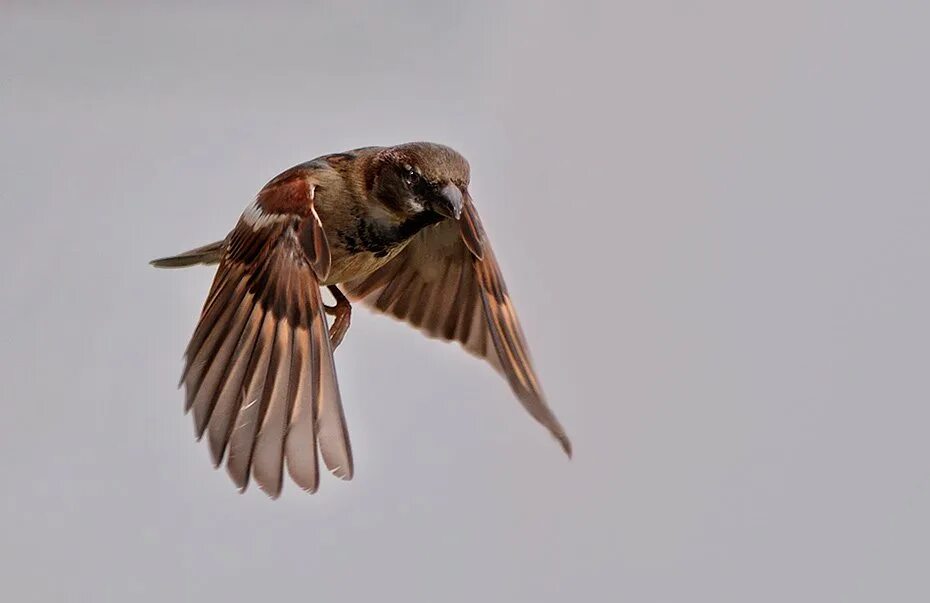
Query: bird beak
[450, 202]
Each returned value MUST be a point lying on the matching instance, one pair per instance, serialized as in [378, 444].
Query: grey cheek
[414, 205]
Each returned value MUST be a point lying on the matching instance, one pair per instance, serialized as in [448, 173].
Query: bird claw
[343, 313]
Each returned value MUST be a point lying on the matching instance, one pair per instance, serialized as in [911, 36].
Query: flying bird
[394, 228]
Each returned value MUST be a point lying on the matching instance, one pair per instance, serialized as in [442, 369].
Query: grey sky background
[714, 221]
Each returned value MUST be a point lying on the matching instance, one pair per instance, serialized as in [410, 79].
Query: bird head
[421, 177]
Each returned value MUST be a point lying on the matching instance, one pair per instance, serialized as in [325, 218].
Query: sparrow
[393, 228]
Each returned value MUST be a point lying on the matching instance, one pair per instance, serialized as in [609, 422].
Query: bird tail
[208, 254]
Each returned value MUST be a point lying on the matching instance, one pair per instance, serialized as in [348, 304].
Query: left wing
[447, 283]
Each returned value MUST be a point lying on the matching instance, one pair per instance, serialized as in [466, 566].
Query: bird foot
[343, 313]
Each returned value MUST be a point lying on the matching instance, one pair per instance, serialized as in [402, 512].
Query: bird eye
[410, 175]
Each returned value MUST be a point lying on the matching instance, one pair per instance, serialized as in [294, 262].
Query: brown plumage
[393, 227]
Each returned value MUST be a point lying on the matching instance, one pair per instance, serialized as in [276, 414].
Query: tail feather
[208, 254]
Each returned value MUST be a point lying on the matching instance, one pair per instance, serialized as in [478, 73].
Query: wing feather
[207, 390]
[301, 432]
[220, 421]
[268, 455]
[331, 425]
[245, 426]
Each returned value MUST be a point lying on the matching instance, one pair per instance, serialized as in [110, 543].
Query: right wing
[259, 370]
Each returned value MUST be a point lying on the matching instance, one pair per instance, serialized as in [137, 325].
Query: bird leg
[343, 313]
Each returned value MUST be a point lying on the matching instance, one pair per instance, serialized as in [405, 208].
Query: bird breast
[361, 243]
[348, 265]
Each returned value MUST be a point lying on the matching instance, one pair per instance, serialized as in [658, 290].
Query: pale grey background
[714, 220]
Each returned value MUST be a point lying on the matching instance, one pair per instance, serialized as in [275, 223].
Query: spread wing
[447, 283]
[259, 373]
